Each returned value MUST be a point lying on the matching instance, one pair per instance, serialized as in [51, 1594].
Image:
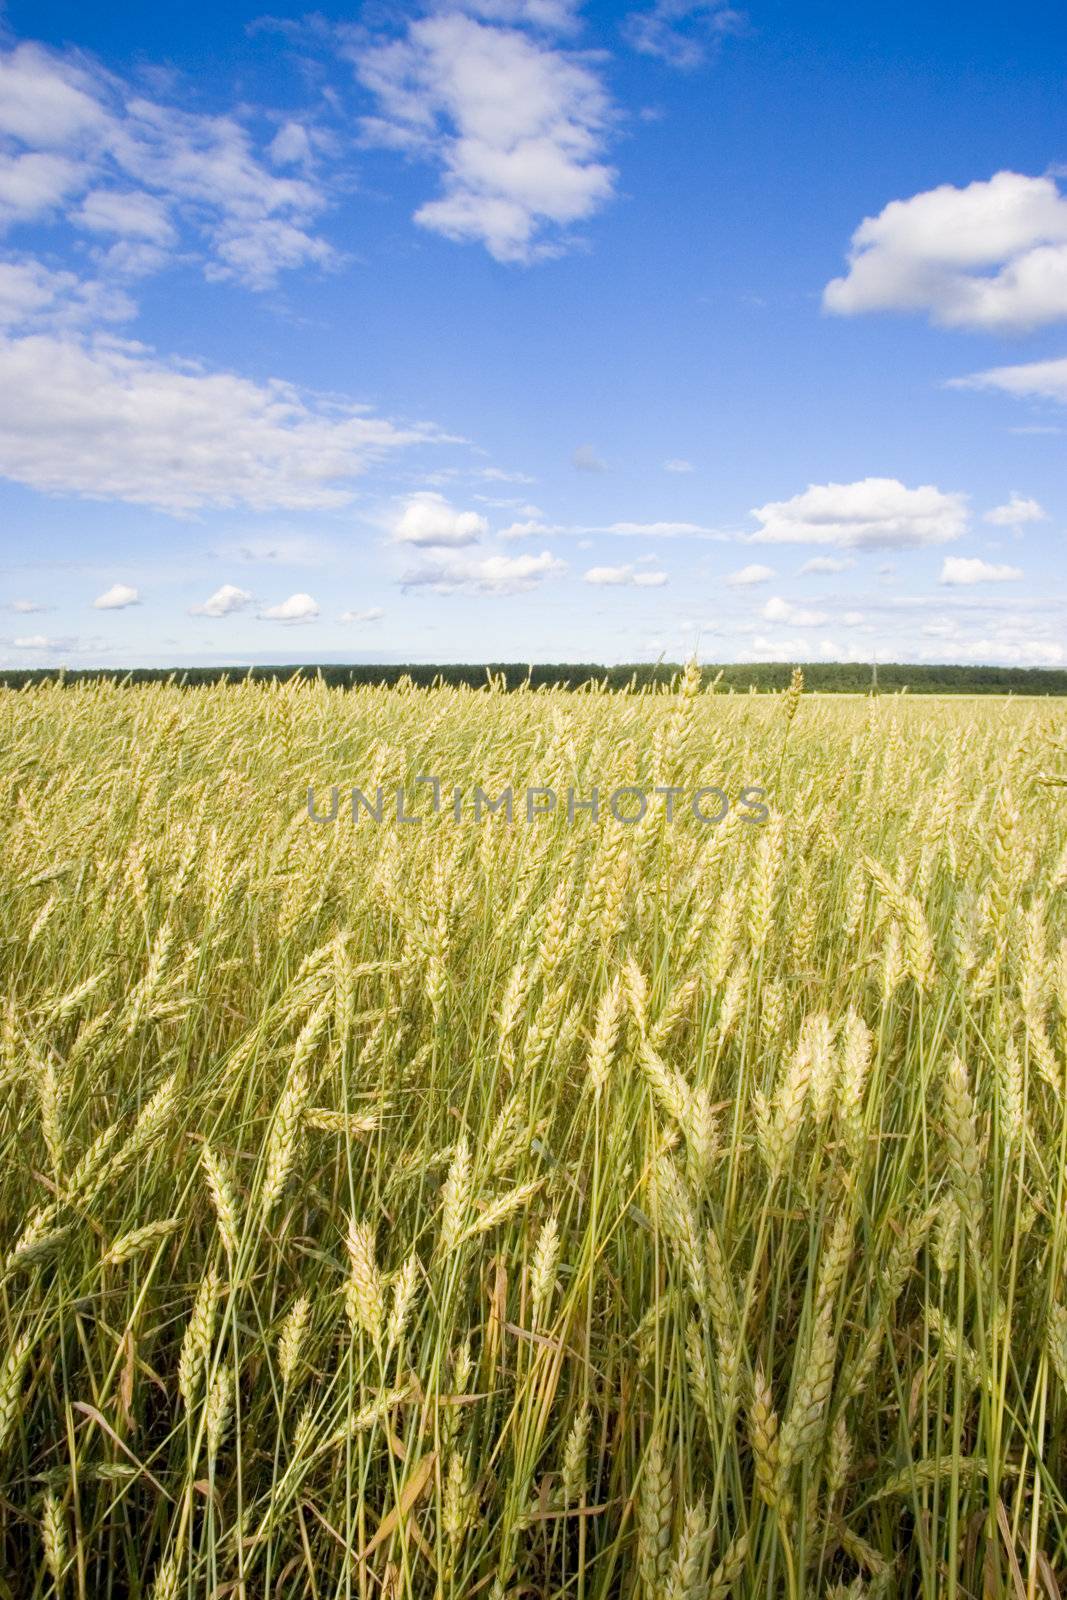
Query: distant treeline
[826, 676]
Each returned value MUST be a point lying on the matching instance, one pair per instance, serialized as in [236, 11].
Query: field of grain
[657, 1210]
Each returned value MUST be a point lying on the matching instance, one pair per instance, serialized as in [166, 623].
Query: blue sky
[526, 330]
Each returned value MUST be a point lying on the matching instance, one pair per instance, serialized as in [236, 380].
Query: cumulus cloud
[779, 610]
[26, 607]
[516, 126]
[113, 421]
[678, 464]
[826, 564]
[117, 598]
[1040, 380]
[876, 513]
[1016, 512]
[428, 519]
[746, 576]
[625, 576]
[298, 608]
[372, 614]
[447, 571]
[970, 569]
[992, 255]
[223, 602]
[680, 32]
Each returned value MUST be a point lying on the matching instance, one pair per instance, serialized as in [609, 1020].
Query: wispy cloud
[1040, 380]
[112, 421]
[681, 32]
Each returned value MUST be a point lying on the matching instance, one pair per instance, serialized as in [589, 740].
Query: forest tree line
[761, 677]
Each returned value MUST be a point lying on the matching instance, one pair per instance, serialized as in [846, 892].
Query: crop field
[558, 1207]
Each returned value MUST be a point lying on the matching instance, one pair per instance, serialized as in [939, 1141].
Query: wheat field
[563, 1208]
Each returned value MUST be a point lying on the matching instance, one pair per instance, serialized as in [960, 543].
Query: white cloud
[992, 255]
[372, 614]
[746, 576]
[876, 513]
[1018, 511]
[298, 608]
[677, 464]
[651, 530]
[1042, 380]
[254, 252]
[516, 126]
[779, 610]
[625, 530]
[34, 184]
[1010, 640]
[33, 641]
[447, 571]
[115, 422]
[556, 16]
[826, 564]
[223, 602]
[290, 146]
[970, 569]
[136, 215]
[530, 530]
[680, 32]
[140, 166]
[33, 296]
[25, 607]
[625, 576]
[117, 598]
[585, 459]
[783, 649]
[499, 475]
[428, 519]
[43, 105]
